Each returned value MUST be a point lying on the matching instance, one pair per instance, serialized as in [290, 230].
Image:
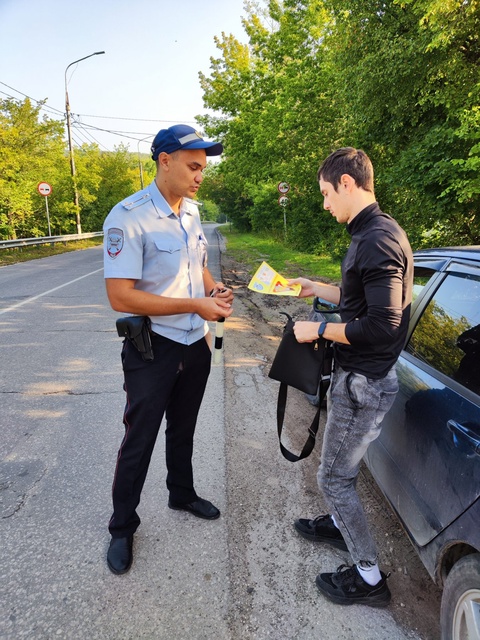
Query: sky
[147, 79]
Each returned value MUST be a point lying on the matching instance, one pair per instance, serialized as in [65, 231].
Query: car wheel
[460, 610]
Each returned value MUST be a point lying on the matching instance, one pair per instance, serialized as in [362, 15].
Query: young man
[155, 265]
[374, 300]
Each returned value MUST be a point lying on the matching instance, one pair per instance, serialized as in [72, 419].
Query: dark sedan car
[427, 458]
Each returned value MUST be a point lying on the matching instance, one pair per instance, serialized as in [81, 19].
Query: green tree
[31, 151]
[410, 74]
[280, 119]
[104, 178]
[399, 79]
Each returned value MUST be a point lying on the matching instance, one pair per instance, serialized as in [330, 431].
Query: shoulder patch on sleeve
[115, 240]
[136, 201]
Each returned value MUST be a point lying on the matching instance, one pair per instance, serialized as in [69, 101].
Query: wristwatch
[321, 329]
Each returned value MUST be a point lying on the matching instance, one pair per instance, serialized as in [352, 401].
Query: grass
[24, 254]
[252, 249]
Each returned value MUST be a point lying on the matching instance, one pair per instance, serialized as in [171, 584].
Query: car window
[447, 336]
[418, 284]
[420, 278]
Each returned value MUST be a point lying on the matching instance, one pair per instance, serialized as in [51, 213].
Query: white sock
[334, 521]
[371, 575]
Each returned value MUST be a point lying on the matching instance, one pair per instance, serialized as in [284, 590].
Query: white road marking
[45, 293]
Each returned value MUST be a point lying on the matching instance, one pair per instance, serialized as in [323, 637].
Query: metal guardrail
[24, 242]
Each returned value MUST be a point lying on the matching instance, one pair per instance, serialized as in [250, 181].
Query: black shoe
[321, 529]
[346, 586]
[199, 507]
[120, 556]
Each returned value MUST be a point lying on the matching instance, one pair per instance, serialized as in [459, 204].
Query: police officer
[156, 266]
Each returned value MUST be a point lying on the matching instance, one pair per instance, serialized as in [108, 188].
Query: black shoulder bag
[305, 366]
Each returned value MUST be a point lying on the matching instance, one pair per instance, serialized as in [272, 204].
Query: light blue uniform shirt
[165, 253]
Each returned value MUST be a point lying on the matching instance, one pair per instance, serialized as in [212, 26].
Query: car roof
[469, 253]
[440, 258]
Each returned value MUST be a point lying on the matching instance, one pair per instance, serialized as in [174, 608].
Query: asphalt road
[238, 578]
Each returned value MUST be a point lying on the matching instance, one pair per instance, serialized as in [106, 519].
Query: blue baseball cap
[181, 136]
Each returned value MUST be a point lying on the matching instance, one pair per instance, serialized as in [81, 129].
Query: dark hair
[354, 162]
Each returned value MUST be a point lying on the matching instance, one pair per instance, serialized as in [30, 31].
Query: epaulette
[189, 205]
[136, 201]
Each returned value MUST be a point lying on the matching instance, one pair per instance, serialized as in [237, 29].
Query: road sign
[283, 187]
[44, 189]
[283, 201]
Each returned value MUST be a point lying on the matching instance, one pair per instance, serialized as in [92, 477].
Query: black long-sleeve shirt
[376, 294]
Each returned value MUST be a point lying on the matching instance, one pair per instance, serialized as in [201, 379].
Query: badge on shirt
[114, 242]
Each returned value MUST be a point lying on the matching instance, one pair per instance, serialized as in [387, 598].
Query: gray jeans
[356, 407]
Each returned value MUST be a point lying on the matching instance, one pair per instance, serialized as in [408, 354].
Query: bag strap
[323, 384]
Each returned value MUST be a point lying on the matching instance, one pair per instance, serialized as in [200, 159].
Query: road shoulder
[273, 592]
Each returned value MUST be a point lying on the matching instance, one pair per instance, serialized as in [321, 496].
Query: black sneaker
[321, 529]
[346, 586]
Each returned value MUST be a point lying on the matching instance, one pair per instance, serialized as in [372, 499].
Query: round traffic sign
[283, 201]
[283, 187]
[44, 189]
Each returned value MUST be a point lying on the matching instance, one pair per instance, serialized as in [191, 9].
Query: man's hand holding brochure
[267, 280]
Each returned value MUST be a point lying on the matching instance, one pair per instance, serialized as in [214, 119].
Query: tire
[460, 609]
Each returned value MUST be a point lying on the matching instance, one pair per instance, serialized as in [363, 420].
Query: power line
[88, 136]
[120, 133]
[85, 115]
[42, 102]
[124, 134]
[77, 140]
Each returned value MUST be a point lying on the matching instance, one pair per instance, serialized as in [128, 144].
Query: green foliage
[271, 134]
[34, 150]
[208, 211]
[223, 188]
[104, 178]
[31, 151]
[399, 79]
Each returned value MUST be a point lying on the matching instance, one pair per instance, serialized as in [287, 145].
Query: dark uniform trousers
[173, 384]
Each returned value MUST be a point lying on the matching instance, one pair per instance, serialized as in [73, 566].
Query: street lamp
[140, 166]
[70, 146]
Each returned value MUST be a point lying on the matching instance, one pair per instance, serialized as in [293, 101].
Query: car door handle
[464, 434]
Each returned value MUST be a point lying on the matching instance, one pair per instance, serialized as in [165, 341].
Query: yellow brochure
[267, 280]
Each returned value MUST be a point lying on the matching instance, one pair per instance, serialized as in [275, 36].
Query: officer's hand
[223, 292]
[212, 309]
